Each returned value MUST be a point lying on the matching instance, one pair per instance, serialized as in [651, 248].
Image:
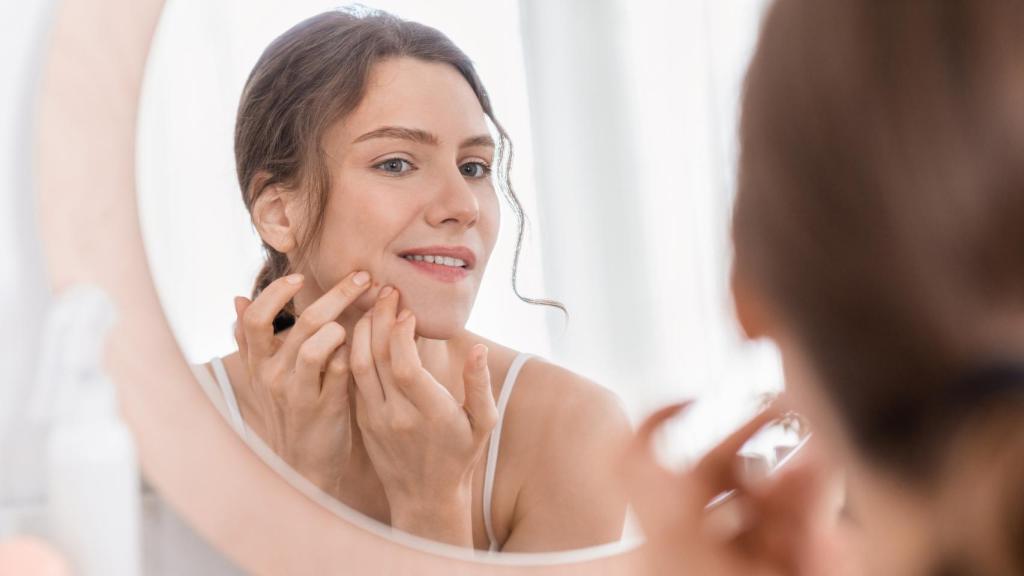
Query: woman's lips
[440, 272]
[444, 263]
[463, 253]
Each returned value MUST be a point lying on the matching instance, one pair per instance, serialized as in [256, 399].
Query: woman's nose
[455, 203]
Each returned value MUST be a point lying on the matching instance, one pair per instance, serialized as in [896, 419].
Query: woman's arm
[572, 497]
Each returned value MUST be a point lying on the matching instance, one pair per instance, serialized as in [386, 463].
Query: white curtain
[635, 109]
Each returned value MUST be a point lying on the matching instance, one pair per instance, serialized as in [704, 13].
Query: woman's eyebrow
[481, 140]
[421, 136]
[401, 133]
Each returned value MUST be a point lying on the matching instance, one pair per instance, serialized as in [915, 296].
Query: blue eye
[475, 169]
[395, 166]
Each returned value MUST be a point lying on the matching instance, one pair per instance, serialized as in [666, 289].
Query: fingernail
[481, 358]
[361, 278]
[384, 292]
[293, 279]
[404, 315]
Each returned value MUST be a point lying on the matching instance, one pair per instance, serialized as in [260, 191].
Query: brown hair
[313, 75]
[880, 210]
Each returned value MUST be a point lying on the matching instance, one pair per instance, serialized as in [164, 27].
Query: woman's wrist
[327, 484]
[447, 520]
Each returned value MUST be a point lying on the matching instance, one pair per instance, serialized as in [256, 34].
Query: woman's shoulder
[562, 439]
[553, 393]
[552, 402]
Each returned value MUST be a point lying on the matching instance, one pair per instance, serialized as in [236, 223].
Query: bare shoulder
[557, 416]
[567, 436]
[551, 391]
[551, 406]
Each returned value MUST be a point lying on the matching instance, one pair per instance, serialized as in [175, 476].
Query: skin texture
[397, 424]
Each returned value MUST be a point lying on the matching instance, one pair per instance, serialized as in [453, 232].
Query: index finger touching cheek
[326, 309]
[258, 318]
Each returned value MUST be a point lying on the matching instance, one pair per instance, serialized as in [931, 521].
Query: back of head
[881, 212]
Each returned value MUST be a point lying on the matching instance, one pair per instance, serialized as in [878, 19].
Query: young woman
[878, 231]
[367, 154]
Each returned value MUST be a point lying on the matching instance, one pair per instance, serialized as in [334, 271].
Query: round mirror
[622, 128]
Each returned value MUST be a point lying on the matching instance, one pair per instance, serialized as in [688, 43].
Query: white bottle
[93, 476]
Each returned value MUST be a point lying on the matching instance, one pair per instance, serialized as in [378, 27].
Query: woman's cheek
[491, 223]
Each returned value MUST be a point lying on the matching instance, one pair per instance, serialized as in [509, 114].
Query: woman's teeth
[442, 260]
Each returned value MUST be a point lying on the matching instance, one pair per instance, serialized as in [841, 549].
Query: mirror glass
[623, 127]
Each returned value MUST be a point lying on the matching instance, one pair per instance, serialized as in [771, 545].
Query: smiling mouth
[443, 269]
[441, 257]
[437, 260]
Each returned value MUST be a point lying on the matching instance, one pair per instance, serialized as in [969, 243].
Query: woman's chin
[435, 328]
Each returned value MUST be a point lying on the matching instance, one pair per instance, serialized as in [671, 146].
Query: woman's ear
[274, 215]
[749, 309]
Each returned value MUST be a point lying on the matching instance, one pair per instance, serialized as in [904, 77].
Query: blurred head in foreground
[879, 241]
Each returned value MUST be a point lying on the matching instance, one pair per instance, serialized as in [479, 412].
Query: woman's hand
[780, 525]
[422, 442]
[301, 381]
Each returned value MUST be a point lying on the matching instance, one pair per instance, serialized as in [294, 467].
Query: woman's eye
[395, 166]
[475, 169]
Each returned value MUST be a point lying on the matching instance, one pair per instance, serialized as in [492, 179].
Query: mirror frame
[87, 108]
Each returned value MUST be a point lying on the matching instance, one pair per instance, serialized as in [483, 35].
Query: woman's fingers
[381, 326]
[412, 381]
[258, 320]
[241, 304]
[655, 493]
[337, 377]
[639, 465]
[713, 475]
[312, 360]
[479, 402]
[361, 363]
[642, 438]
[716, 472]
[798, 505]
[326, 309]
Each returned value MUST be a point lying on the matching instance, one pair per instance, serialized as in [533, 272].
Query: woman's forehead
[430, 97]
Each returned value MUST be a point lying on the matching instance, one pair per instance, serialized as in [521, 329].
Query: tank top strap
[495, 443]
[229, 397]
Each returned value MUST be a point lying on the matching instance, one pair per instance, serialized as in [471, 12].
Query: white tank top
[235, 417]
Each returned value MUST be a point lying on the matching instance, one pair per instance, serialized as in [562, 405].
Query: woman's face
[411, 197]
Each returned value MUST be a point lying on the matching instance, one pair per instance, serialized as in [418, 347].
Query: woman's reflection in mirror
[368, 156]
